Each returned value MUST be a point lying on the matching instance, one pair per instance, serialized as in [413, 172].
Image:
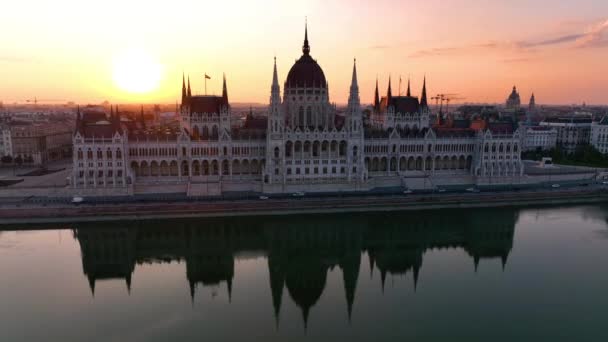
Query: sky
[67, 50]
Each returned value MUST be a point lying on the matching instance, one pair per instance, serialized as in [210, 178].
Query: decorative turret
[189, 90]
[389, 93]
[184, 93]
[354, 103]
[225, 93]
[532, 106]
[423, 101]
[306, 47]
[377, 97]
[408, 93]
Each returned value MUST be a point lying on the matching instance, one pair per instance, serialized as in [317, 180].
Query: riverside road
[25, 212]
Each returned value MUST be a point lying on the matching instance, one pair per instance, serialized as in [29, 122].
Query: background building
[572, 131]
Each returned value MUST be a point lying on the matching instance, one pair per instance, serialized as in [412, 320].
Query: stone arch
[419, 163]
[144, 169]
[185, 169]
[173, 168]
[342, 148]
[383, 164]
[454, 163]
[288, 149]
[402, 164]
[411, 163]
[446, 163]
[428, 163]
[215, 168]
[196, 168]
[164, 168]
[245, 167]
[316, 148]
[461, 163]
[438, 163]
[225, 167]
[236, 167]
[375, 164]
[205, 168]
[298, 147]
[135, 168]
[255, 167]
[154, 169]
[205, 133]
[393, 164]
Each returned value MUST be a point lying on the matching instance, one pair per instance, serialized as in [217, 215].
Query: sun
[136, 71]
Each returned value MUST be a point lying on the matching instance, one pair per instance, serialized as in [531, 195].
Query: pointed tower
[189, 90]
[78, 119]
[306, 47]
[423, 101]
[184, 93]
[354, 103]
[408, 93]
[377, 97]
[389, 93]
[225, 93]
[274, 117]
[532, 106]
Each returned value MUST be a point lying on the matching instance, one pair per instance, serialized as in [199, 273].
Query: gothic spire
[377, 97]
[389, 93]
[225, 92]
[423, 101]
[275, 78]
[306, 47]
[354, 85]
[189, 90]
[409, 93]
[184, 94]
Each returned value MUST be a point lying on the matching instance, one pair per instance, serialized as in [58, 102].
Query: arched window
[276, 152]
[301, 116]
[309, 116]
[118, 154]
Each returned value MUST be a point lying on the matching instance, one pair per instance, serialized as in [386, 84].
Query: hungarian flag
[207, 77]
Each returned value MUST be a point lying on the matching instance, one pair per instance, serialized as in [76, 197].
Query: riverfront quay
[99, 211]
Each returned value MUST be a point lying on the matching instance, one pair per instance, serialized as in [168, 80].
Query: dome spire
[306, 47]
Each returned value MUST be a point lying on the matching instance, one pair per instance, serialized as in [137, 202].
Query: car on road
[555, 186]
[263, 198]
[298, 194]
[77, 199]
[407, 192]
[474, 190]
[441, 190]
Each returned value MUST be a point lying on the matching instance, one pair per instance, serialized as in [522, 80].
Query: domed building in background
[513, 101]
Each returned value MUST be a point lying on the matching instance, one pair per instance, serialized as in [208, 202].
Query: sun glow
[136, 71]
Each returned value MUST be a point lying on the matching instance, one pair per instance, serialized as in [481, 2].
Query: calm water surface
[485, 275]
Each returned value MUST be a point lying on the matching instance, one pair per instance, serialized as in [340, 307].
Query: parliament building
[302, 145]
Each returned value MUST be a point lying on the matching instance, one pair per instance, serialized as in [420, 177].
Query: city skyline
[89, 53]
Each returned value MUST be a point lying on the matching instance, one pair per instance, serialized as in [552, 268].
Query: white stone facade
[303, 146]
[539, 137]
[599, 135]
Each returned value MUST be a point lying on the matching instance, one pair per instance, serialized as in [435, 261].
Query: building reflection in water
[300, 250]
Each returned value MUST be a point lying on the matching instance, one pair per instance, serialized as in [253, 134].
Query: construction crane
[36, 100]
[440, 98]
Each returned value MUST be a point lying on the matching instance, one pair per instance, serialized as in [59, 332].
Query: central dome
[306, 72]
